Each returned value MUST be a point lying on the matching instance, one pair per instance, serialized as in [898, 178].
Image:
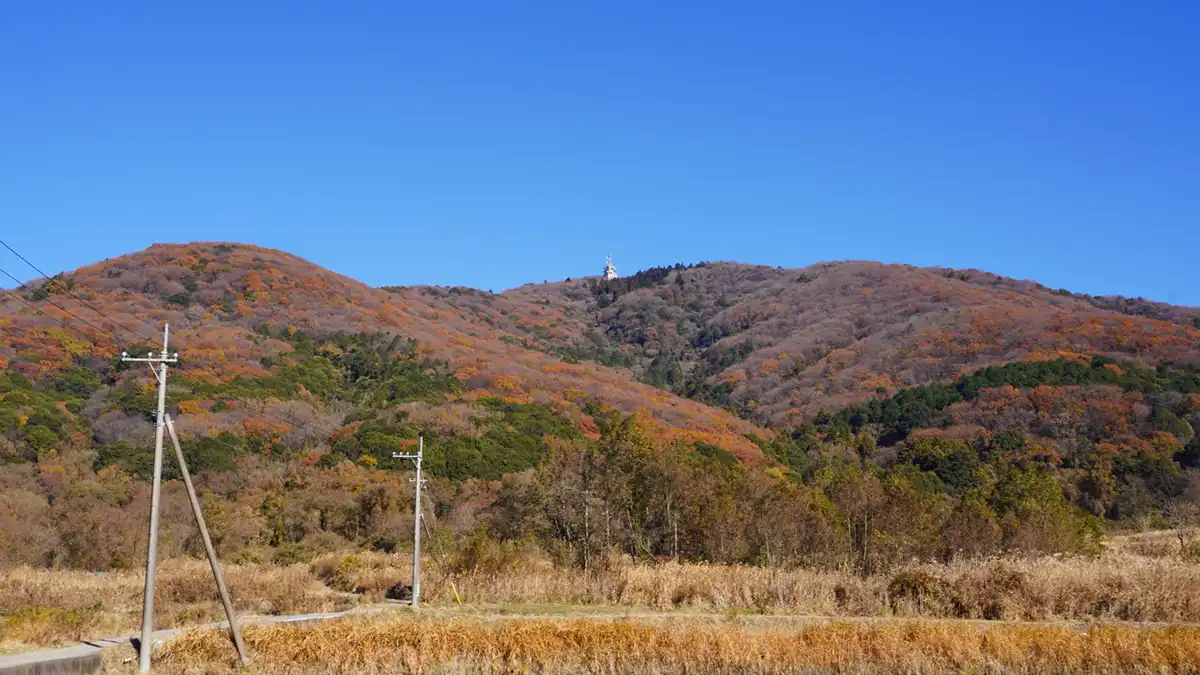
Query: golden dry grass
[460, 645]
[1118, 585]
[41, 608]
[1115, 586]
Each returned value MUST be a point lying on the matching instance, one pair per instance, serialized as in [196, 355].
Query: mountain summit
[222, 300]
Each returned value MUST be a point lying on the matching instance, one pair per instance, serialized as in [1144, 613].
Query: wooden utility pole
[165, 422]
[417, 519]
[155, 490]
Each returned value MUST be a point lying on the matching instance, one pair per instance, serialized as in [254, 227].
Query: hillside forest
[850, 415]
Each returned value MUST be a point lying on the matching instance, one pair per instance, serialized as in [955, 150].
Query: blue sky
[496, 143]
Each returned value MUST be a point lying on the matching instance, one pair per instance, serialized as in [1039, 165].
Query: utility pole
[152, 552]
[417, 520]
[208, 547]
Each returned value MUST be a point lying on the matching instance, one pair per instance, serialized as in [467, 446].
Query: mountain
[843, 414]
[706, 353]
[781, 345]
[220, 298]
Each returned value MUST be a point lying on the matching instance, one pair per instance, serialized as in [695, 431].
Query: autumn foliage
[672, 414]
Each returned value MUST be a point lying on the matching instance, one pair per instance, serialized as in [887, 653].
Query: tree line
[524, 472]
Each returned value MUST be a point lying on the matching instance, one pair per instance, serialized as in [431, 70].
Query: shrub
[923, 589]
[483, 555]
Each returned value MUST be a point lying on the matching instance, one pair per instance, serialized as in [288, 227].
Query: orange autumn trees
[216, 295]
[777, 344]
[297, 383]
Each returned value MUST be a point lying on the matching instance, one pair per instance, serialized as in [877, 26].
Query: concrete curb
[78, 660]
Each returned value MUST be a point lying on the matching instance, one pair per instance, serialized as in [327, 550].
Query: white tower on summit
[610, 272]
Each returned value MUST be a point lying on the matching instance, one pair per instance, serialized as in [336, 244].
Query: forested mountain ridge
[781, 345]
[1004, 415]
[943, 369]
[220, 298]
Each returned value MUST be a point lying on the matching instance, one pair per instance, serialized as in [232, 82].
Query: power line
[58, 379]
[77, 298]
[61, 381]
[296, 424]
[37, 310]
[47, 299]
[18, 298]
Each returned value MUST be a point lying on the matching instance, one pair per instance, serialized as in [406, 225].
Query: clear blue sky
[496, 143]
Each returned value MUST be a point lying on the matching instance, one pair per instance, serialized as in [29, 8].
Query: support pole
[208, 547]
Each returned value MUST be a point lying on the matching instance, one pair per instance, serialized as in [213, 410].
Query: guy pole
[152, 552]
[208, 547]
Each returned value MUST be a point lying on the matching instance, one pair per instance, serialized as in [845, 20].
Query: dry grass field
[684, 645]
[49, 607]
[1136, 608]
